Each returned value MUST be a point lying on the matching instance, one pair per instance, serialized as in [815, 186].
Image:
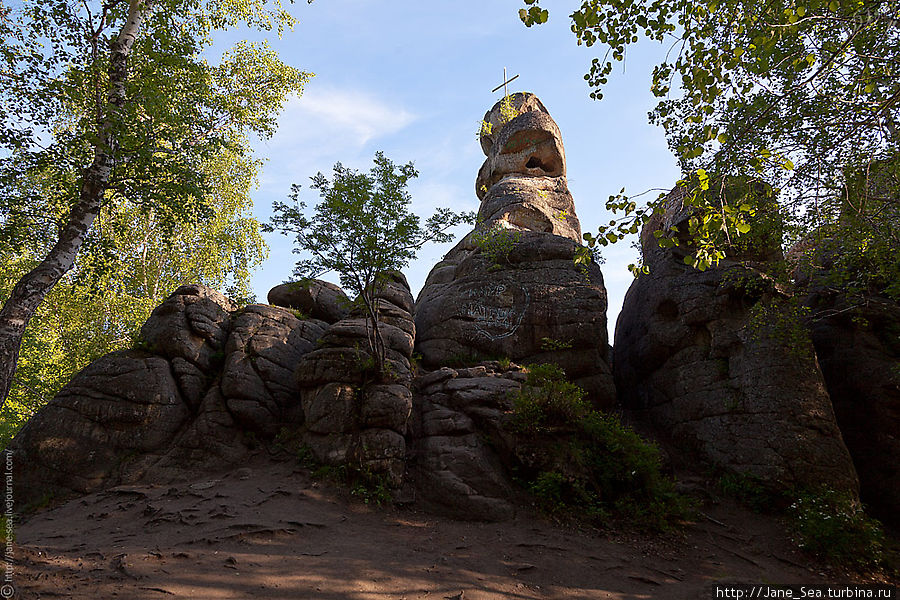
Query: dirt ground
[268, 530]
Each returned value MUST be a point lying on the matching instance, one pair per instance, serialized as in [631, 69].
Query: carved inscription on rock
[496, 309]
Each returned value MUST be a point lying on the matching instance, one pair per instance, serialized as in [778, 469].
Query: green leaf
[820, 87]
[175, 205]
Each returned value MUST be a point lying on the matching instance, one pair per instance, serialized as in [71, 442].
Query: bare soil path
[269, 531]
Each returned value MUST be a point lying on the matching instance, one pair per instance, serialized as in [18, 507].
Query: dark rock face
[207, 375]
[857, 339]
[349, 417]
[262, 351]
[720, 363]
[858, 345]
[454, 468]
[122, 409]
[511, 288]
[318, 299]
[191, 325]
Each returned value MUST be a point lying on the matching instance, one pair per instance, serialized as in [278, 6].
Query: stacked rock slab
[455, 412]
[317, 299]
[718, 362]
[204, 376]
[511, 289]
[349, 418]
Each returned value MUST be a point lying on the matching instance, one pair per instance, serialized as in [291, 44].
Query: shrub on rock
[572, 457]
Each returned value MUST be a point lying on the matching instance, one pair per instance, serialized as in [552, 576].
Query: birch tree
[114, 102]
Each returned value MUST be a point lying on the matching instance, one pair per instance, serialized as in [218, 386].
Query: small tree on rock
[362, 230]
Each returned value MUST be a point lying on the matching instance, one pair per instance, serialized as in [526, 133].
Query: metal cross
[504, 84]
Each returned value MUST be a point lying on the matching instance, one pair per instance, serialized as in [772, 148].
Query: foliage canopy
[179, 111]
[111, 109]
[803, 95]
[128, 266]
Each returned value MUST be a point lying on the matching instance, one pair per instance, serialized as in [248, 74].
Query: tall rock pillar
[511, 288]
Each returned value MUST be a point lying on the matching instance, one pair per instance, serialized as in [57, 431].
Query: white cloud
[358, 113]
[323, 126]
[339, 117]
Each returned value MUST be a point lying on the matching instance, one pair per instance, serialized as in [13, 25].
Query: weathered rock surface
[857, 340]
[318, 299]
[263, 349]
[861, 363]
[207, 375]
[454, 467]
[511, 288]
[522, 102]
[719, 362]
[351, 418]
[118, 414]
[530, 144]
[539, 204]
[192, 324]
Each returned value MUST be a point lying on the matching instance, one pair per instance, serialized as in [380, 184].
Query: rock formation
[510, 289]
[351, 417]
[857, 341]
[317, 299]
[209, 379]
[205, 379]
[860, 359]
[720, 364]
[457, 412]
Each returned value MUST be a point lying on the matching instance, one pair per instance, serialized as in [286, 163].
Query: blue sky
[414, 79]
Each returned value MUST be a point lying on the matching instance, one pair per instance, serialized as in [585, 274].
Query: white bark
[30, 291]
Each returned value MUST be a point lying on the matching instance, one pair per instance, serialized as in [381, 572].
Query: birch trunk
[30, 291]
